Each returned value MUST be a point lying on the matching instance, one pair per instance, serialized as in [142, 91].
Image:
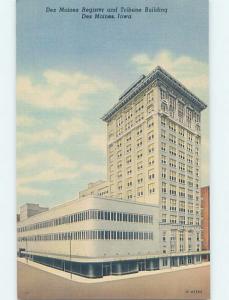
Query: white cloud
[98, 141]
[94, 168]
[60, 90]
[49, 158]
[25, 121]
[60, 133]
[43, 167]
[66, 129]
[191, 72]
[27, 191]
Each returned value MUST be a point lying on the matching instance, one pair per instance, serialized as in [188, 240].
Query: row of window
[91, 214]
[176, 128]
[89, 235]
[174, 220]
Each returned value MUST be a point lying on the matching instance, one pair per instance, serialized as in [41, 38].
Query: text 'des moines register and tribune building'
[147, 214]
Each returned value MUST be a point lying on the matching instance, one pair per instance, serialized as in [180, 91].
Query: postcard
[112, 150]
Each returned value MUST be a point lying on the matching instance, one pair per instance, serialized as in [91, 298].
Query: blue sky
[70, 71]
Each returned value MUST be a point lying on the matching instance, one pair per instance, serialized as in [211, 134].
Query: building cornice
[157, 74]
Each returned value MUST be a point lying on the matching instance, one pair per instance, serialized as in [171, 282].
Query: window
[173, 205]
[163, 147]
[172, 190]
[190, 208]
[163, 203]
[172, 126]
[172, 163]
[188, 117]
[173, 219]
[181, 166]
[140, 166]
[163, 173]
[163, 159]
[139, 142]
[181, 192]
[139, 154]
[163, 187]
[151, 161]
[164, 94]
[129, 194]
[172, 151]
[151, 148]
[128, 159]
[189, 147]
[140, 191]
[129, 182]
[190, 221]
[129, 171]
[181, 143]
[151, 188]
[163, 135]
[150, 97]
[119, 154]
[163, 121]
[164, 262]
[150, 136]
[172, 176]
[181, 131]
[128, 149]
[182, 220]
[172, 138]
[180, 111]
[150, 122]
[163, 219]
[181, 155]
[181, 178]
[151, 174]
[140, 178]
[129, 114]
[172, 106]
[139, 130]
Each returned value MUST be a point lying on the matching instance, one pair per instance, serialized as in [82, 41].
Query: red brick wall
[205, 213]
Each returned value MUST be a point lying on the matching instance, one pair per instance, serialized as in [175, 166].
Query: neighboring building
[99, 236]
[147, 215]
[154, 136]
[205, 224]
[30, 209]
[98, 188]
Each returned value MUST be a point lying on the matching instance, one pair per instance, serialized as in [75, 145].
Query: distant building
[29, 209]
[205, 224]
[98, 188]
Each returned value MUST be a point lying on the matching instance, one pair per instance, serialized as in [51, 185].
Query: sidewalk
[81, 279]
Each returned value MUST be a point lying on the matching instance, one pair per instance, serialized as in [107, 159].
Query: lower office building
[96, 236]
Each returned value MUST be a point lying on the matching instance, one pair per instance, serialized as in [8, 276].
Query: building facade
[205, 224]
[147, 214]
[154, 137]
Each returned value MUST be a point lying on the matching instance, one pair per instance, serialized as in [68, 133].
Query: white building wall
[94, 248]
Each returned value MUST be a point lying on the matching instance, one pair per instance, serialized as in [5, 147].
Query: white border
[7, 151]
[219, 145]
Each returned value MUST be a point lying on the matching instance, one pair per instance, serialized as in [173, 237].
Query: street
[37, 284]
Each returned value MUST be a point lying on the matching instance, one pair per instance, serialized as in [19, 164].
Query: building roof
[143, 81]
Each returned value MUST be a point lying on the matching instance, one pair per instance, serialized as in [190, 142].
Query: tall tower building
[153, 152]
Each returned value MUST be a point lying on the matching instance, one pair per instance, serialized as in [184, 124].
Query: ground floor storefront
[116, 267]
